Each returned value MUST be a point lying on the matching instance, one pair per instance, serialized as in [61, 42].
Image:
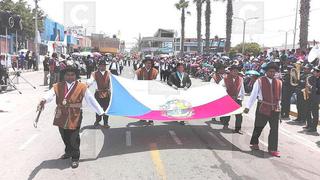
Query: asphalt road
[199, 150]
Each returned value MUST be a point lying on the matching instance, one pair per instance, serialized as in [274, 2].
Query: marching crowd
[270, 79]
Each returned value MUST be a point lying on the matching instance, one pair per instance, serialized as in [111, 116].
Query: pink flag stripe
[220, 107]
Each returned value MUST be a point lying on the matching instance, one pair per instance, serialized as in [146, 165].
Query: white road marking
[24, 145]
[302, 140]
[128, 138]
[219, 141]
[175, 137]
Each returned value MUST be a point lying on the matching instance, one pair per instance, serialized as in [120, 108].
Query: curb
[294, 114]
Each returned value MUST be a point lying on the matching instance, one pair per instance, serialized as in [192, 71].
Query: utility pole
[295, 26]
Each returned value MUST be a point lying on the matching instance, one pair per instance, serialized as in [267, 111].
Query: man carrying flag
[69, 95]
[235, 88]
[148, 72]
[267, 90]
[100, 79]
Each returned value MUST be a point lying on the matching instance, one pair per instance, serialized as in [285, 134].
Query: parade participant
[46, 70]
[219, 74]
[54, 68]
[114, 67]
[89, 66]
[287, 91]
[179, 79]
[146, 73]
[235, 88]
[164, 67]
[302, 103]
[314, 100]
[69, 95]
[267, 90]
[100, 80]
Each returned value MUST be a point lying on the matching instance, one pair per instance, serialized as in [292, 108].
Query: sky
[131, 17]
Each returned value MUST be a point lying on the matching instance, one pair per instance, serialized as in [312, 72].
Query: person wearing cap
[69, 95]
[313, 102]
[302, 103]
[180, 79]
[267, 90]
[148, 72]
[235, 88]
[100, 80]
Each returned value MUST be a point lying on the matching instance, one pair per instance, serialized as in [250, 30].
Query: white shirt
[114, 66]
[256, 93]
[90, 100]
[241, 92]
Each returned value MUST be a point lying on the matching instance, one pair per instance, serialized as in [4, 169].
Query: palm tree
[182, 5]
[229, 25]
[208, 23]
[199, 17]
[304, 23]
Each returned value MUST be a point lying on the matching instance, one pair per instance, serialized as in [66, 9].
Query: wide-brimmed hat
[102, 62]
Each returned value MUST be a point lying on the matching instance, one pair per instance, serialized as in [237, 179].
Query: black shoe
[237, 132]
[150, 123]
[74, 164]
[182, 123]
[225, 127]
[106, 126]
[65, 156]
[306, 127]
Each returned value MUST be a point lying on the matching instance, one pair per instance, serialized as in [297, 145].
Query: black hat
[180, 64]
[272, 66]
[70, 69]
[308, 66]
[102, 62]
[147, 59]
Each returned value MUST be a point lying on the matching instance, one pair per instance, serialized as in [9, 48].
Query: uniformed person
[313, 101]
[287, 92]
[100, 80]
[302, 104]
[69, 95]
[148, 72]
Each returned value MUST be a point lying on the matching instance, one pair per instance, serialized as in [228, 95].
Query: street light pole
[244, 30]
[36, 35]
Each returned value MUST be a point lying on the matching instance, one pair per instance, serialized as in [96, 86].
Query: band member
[235, 88]
[179, 79]
[313, 101]
[147, 73]
[287, 92]
[69, 95]
[219, 74]
[100, 79]
[114, 67]
[302, 102]
[267, 90]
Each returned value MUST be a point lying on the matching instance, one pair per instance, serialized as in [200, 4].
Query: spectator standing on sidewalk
[46, 70]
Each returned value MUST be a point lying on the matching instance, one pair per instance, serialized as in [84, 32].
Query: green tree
[251, 48]
[304, 23]
[182, 5]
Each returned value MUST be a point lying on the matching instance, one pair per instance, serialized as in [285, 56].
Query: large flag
[153, 100]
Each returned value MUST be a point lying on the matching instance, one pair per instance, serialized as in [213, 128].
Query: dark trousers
[313, 111]
[225, 120]
[89, 72]
[71, 139]
[162, 75]
[104, 103]
[302, 107]
[260, 122]
[114, 72]
[286, 101]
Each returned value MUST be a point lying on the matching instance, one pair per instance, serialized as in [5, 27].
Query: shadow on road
[192, 136]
